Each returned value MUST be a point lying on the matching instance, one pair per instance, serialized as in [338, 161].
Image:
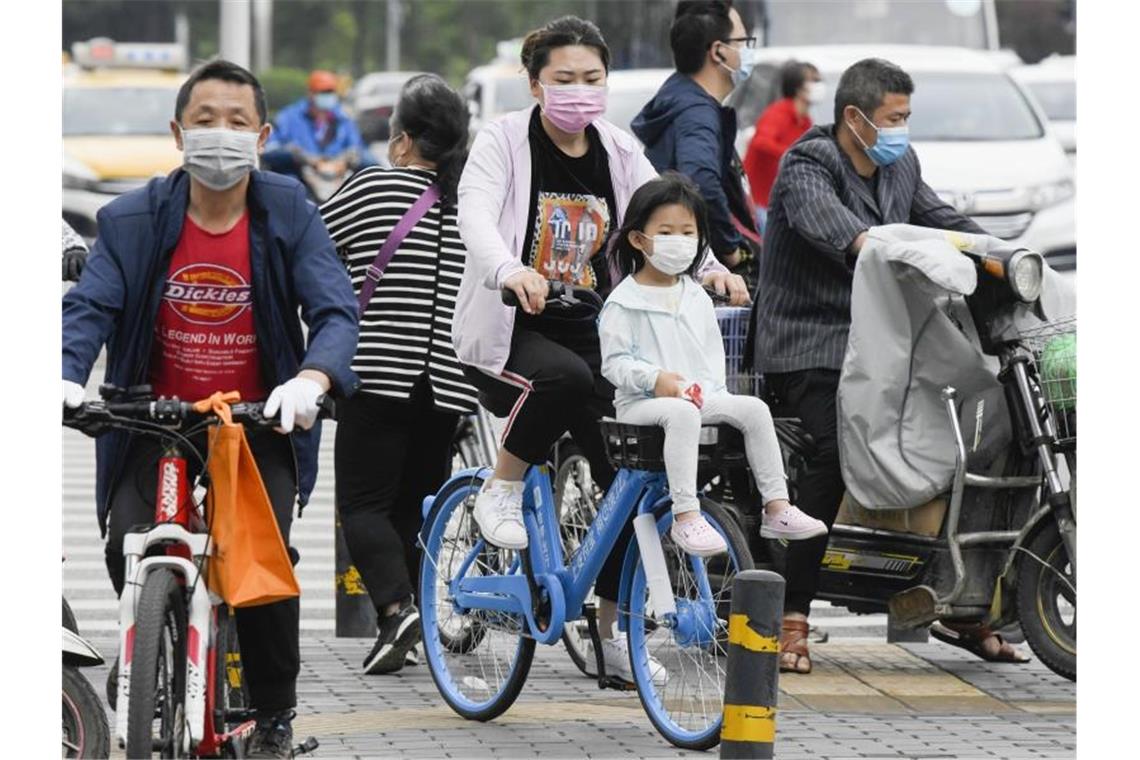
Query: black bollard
[750, 682]
[355, 615]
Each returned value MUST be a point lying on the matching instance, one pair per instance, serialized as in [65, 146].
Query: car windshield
[118, 110]
[955, 106]
[1059, 99]
[910, 22]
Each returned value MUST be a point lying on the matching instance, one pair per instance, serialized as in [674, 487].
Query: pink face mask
[570, 107]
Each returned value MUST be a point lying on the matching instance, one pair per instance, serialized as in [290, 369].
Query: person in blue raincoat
[315, 127]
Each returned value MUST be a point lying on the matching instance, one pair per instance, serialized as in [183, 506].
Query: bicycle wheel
[687, 708]
[155, 717]
[576, 499]
[479, 659]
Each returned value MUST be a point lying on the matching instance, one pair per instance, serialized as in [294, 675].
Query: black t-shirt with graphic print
[573, 212]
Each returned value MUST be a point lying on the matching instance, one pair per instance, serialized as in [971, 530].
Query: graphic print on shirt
[204, 338]
[207, 294]
[570, 230]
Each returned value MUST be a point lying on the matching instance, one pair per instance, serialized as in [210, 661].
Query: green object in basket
[1058, 369]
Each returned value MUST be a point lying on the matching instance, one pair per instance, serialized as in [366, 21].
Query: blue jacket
[294, 125]
[293, 265]
[685, 129]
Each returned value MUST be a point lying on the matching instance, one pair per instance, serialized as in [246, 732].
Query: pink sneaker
[697, 537]
[791, 525]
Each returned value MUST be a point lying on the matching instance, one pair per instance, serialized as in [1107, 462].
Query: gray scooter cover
[911, 336]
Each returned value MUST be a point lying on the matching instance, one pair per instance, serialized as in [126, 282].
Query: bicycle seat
[640, 447]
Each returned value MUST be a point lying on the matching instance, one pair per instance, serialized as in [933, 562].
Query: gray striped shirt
[819, 205]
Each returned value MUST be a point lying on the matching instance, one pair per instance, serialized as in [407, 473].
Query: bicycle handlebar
[566, 293]
[95, 416]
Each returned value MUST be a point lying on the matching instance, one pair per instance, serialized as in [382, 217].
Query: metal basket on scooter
[1054, 349]
[733, 321]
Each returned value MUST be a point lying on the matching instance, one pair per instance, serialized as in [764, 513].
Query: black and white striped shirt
[819, 205]
[406, 328]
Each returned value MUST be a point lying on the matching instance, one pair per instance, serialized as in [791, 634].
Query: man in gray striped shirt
[834, 183]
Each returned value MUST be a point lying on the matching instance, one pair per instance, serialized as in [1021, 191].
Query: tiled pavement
[864, 700]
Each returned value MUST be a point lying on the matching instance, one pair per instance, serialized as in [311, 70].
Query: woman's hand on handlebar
[530, 288]
[728, 284]
[298, 400]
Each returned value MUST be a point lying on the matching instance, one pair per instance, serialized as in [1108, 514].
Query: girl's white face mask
[672, 254]
[219, 157]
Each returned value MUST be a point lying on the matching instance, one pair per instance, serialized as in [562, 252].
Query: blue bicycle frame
[566, 587]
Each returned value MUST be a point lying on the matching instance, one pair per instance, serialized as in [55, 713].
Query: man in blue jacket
[315, 127]
[685, 127]
[194, 285]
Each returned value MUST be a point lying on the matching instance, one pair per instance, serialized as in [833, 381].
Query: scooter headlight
[1025, 274]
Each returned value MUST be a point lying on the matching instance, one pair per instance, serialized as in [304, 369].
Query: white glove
[73, 394]
[297, 400]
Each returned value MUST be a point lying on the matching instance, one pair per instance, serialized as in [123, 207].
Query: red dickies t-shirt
[204, 339]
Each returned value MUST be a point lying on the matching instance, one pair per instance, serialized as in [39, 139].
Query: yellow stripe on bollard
[749, 723]
[739, 632]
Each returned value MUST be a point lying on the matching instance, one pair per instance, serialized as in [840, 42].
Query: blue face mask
[747, 63]
[325, 101]
[890, 144]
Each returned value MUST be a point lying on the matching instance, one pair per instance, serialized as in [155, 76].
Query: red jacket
[777, 128]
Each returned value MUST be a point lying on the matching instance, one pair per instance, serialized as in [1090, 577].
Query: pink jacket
[494, 204]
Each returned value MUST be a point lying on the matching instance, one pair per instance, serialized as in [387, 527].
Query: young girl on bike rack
[662, 349]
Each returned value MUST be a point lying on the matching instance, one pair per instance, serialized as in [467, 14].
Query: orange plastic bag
[250, 565]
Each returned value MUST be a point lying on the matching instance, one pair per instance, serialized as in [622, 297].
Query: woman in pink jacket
[542, 191]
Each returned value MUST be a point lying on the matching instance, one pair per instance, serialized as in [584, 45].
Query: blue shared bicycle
[483, 609]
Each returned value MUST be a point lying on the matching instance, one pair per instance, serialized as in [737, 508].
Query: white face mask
[816, 92]
[673, 254]
[219, 157]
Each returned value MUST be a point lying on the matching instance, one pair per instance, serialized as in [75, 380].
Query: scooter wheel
[85, 730]
[1047, 601]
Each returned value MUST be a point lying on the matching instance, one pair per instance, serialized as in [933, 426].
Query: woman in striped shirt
[393, 436]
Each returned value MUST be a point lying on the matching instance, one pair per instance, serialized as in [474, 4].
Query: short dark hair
[226, 71]
[561, 32]
[866, 82]
[793, 74]
[697, 24]
[435, 117]
[669, 188]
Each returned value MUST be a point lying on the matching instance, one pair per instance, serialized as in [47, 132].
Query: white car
[1053, 82]
[629, 91]
[984, 144]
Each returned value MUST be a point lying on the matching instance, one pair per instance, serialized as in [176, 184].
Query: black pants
[552, 383]
[390, 454]
[268, 634]
[810, 395]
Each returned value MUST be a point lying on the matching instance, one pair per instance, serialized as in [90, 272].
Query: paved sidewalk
[864, 700]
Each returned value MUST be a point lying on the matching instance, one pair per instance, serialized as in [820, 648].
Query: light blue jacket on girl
[641, 336]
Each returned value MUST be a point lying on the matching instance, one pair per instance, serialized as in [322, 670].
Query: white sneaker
[791, 525]
[697, 538]
[615, 654]
[498, 512]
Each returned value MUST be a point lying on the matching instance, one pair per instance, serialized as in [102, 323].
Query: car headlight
[1050, 194]
[77, 175]
[1025, 274]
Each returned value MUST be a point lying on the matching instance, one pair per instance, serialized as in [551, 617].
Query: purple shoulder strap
[409, 220]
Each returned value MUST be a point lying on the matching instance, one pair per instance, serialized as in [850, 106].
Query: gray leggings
[682, 423]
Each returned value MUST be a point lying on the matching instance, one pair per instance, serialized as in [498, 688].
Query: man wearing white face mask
[686, 129]
[780, 125]
[194, 285]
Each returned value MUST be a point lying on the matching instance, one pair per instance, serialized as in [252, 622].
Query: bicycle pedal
[306, 747]
[615, 683]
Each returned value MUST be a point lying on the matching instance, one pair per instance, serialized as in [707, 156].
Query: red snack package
[693, 393]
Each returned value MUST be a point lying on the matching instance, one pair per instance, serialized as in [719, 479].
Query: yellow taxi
[118, 101]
